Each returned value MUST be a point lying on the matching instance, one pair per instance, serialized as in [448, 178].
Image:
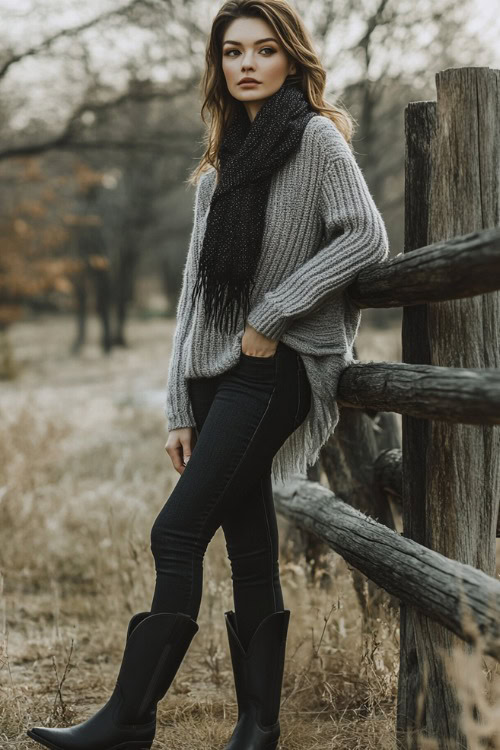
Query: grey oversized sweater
[322, 227]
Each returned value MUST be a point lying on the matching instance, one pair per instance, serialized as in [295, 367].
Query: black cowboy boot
[258, 677]
[155, 647]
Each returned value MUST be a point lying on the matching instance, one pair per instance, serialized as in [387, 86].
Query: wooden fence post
[451, 472]
[420, 123]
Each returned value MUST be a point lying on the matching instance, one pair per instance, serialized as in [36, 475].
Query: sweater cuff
[267, 319]
[176, 420]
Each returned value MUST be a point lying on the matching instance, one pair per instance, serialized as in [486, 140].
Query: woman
[283, 222]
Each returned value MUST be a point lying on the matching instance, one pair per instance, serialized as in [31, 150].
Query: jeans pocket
[256, 356]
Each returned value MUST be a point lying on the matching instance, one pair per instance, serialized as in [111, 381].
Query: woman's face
[250, 49]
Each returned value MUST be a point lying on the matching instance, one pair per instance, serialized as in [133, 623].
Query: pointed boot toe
[103, 731]
[258, 678]
[155, 647]
[44, 736]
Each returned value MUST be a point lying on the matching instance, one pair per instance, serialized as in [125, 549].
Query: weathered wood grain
[388, 477]
[413, 573]
[451, 467]
[450, 394]
[462, 266]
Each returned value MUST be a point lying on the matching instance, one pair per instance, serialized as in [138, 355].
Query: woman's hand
[255, 344]
[179, 446]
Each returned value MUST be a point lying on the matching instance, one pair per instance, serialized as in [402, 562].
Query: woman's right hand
[179, 447]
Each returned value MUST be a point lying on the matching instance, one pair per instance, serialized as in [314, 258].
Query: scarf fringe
[223, 304]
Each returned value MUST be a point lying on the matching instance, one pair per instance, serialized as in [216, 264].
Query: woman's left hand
[255, 344]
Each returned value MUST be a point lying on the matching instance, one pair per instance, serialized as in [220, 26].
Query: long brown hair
[297, 42]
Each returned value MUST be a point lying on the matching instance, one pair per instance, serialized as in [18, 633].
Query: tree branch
[74, 31]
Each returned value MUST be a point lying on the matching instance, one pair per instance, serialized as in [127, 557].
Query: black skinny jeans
[242, 416]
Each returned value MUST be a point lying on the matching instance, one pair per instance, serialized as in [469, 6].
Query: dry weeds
[84, 474]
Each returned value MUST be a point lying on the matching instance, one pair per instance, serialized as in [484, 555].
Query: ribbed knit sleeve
[178, 408]
[355, 237]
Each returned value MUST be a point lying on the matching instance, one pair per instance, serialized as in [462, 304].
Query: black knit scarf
[249, 154]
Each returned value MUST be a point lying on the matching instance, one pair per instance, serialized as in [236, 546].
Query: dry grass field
[83, 475]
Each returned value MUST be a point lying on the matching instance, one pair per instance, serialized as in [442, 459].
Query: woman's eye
[270, 49]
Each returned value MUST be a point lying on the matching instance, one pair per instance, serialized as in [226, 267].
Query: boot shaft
[154, 649]
[156, 645]
[258, 671]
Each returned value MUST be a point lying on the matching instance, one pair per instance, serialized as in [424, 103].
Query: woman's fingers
[259, 345]
[178, 447]
[186, 449]
[174, 450]
[177, 459]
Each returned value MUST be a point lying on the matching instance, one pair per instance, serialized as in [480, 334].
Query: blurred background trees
[100, 127]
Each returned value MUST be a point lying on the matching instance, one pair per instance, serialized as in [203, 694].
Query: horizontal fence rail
[462, 598]
[450, 394]
[453, 269]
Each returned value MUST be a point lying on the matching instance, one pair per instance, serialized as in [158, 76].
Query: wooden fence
[446, 474]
